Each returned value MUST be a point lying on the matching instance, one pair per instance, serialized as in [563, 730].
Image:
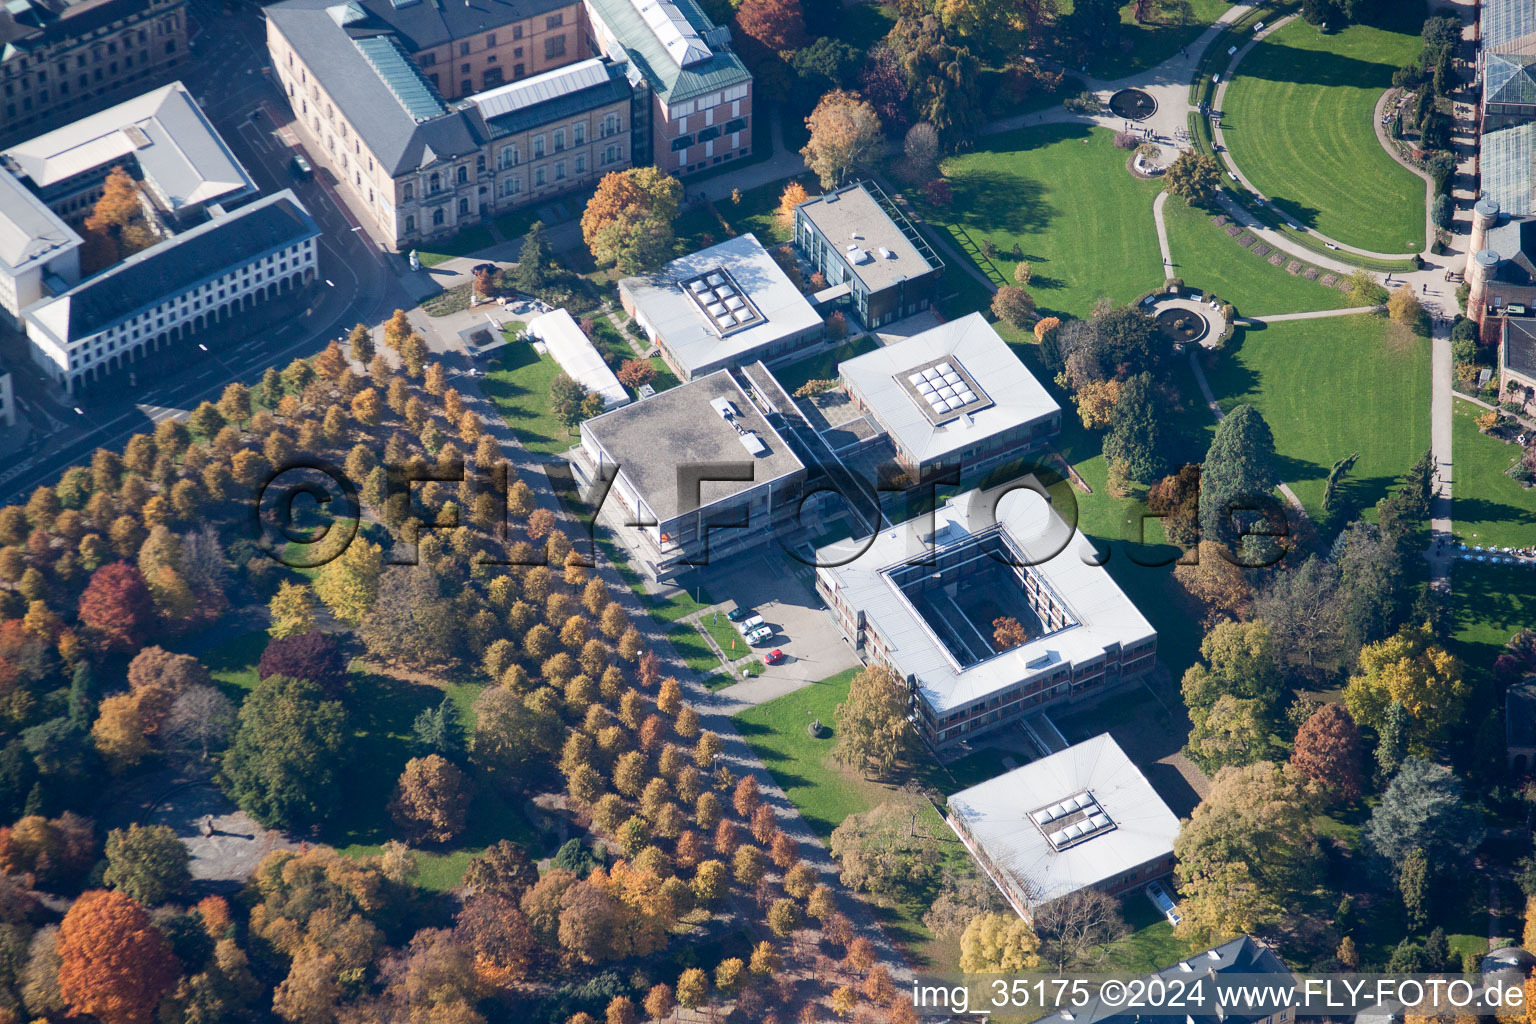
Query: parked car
[1158, 893]
[300, 167]
[750, 623]
[759, 634]
[774, 656]
[738, 613]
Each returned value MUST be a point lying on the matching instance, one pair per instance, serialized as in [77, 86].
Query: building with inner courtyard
[161, 138]
[39, 253]
[721, 308]
[924, 599]
[1083, 817]
[216, 275]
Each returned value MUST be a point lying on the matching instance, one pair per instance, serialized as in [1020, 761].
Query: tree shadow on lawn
[1276, 62]
[1295, 213]
[1482, 510]
[381, 711]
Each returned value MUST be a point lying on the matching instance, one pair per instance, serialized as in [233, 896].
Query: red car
[774, 656]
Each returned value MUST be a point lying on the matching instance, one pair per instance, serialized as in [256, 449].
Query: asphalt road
[358, 282]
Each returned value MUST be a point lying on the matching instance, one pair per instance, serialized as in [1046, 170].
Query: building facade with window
[205, 277]
[423, 167]
[876, 264]
[693, 95]
[60, 59]
[434, 117]
[698, 473]
[953, 399]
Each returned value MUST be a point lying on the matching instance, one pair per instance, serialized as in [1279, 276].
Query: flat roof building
[698, 467]
[855, 236]
[1083, 817]
[162, 138]
[208, 275]
[721, 307]
[577, 356]
[923, 597]
[953, 397]
[39, 253]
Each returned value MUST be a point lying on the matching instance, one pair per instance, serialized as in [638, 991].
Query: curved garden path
[1224, 154]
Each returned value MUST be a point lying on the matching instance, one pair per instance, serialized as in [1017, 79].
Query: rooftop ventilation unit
[753, 444]
[857, 256]
[886, 254]
[724, 407]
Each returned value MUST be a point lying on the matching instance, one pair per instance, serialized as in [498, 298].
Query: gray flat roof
[1101, 613]
[881, 380]
[29, 231]
[183, 158]
[652, 438]
[1000, 816]
[174, 266]
[850, 216]
[663, 302]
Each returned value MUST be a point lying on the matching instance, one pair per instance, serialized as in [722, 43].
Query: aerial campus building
[68, 57]
[207, 277]
[161, 138]
[922, 599]
[437, 116]
[698, 472]
[876, 264]
[1083, 817]
[720, 308]
[39, 253]
[953, 398]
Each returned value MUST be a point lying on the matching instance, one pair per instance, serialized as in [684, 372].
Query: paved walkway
[1225, 156]
[1162, 233]
[1316, 314]
[1215, 407]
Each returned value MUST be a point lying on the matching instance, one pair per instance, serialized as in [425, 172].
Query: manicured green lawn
[1298, 121]
[232, 663]
[1208, 260]
[823, 365]
[1487, 507]
[1063, 195]
[691, 647]
[758, 210]
[777, 732]
[1489, 604]
[465, 243]
[518, 382]
[1327, 387]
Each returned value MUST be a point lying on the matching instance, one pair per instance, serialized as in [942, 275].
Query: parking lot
[783, 592]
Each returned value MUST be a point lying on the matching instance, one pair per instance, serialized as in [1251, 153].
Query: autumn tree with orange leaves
[114, 965]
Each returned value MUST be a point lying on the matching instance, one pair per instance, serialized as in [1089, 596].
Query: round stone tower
[1484, 260]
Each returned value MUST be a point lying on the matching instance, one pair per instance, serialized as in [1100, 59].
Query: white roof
[577, 357]
[878, 378]
[996, 815]
[688, 333]
[1102, 616]
[29, 231]
[183, 158]
[547, 86]
[681, 41]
